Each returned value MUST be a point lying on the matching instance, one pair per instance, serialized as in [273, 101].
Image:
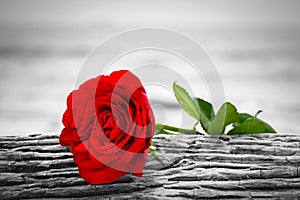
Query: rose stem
[176, 129]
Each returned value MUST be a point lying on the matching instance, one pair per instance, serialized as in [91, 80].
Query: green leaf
[241, 118]
[250, 126]
[206, 112]
[186, 101]
[226, 115]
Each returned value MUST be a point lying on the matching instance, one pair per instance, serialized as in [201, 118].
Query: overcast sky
[151, 13]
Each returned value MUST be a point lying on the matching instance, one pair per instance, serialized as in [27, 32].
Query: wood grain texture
[258, 166]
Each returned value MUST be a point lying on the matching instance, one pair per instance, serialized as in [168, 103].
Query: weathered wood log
[246, 166]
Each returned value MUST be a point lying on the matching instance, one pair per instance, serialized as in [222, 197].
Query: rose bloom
[108, 125]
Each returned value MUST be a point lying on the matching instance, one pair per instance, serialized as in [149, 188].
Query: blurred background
[255, 46]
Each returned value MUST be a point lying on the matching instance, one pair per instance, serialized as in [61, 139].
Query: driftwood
[242, 167]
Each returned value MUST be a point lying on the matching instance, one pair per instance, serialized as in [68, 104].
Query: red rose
[109, 125]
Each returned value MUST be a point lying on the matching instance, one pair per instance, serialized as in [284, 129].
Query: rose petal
[83, 160]
[137, 174]
[100, 176]
[68, 120]
[81, 148]
[66, 137]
